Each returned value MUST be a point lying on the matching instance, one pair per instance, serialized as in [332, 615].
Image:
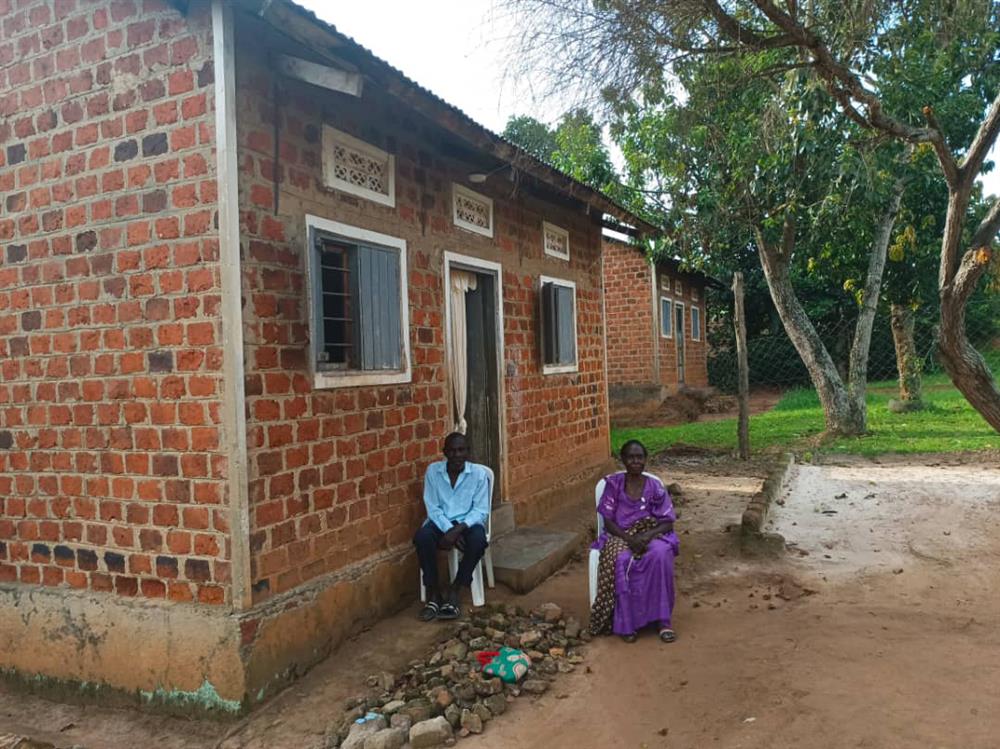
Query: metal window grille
[357, 288]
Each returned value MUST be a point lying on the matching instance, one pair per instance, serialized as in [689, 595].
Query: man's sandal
[667, 635]
[429, 612]
[449, 611]
[630, 638]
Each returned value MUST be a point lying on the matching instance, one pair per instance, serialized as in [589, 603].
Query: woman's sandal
[449, 611]
[667, 635]
[429, 612]
[630, 638]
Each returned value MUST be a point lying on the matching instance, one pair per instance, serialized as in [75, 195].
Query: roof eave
[323, 39]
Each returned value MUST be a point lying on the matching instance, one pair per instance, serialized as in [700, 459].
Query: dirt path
[878, 631]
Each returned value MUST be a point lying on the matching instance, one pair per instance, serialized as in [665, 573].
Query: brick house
[656, 318]
[237, 255]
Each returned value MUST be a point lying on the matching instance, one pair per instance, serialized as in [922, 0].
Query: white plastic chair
[595, 555]
[478, 593]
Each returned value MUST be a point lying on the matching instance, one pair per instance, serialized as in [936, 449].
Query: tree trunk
[739, 320]
[965, 366]
[840, 417]
[857, 378]
[907, 361]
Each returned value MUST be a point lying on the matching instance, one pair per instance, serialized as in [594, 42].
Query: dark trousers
[426, 540]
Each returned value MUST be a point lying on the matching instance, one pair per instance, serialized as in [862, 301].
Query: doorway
[475, 348]
[679, 339]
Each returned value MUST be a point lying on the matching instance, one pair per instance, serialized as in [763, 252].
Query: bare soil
[877, 630]
[696, 405]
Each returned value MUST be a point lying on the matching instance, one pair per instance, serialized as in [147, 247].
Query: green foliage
[575, 146]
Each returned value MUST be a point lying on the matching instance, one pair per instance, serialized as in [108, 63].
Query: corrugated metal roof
[262, 7]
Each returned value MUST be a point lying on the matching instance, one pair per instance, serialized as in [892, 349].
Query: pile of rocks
[445, 694]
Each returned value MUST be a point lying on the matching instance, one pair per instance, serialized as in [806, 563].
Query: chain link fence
[774, 362]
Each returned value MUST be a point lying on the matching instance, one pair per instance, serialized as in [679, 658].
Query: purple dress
[644, 588]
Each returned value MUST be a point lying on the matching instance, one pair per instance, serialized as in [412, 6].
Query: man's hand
[453, 538]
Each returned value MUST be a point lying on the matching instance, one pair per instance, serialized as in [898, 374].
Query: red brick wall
[110, 472]
[631, 317]
[696, 352]
[336, 474]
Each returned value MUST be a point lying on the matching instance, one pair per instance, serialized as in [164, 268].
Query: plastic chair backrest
[599, 492]
[489, 515]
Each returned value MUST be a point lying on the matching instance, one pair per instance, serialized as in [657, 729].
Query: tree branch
[840, 76]
[985, 138]
[952, 173]
[740, 33]
[987, 230]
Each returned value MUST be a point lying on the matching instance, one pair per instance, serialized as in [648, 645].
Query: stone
[488, 686]
[534, 686]
[419, 710]
[471, 722]
[443, 699]
[497, 704]
[530, 637]
[430, 733]
[557, 652]
[447, 671]
[393, 706]
[478, 643]
[361, 731]
[550, 612]
[466, 692]
[535, 655]
[402, 721]
[453, 715]
[483, 712]
[455, 650]
[387, 738]
[675, 489]
[572, 628]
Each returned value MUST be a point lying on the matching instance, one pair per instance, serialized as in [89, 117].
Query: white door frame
[475, 264]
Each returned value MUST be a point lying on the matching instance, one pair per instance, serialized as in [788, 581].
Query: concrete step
[501, 519]
[525, 556]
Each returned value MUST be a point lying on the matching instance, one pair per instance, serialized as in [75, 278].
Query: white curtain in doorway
[458, 356]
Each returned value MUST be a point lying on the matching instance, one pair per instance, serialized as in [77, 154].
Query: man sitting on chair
[457, 497]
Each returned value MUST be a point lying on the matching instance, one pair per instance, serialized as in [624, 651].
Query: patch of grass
[948, 424]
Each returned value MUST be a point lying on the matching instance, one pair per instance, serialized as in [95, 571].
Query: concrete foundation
[184, 659]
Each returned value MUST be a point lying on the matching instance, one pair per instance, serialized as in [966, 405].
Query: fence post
[739, 320]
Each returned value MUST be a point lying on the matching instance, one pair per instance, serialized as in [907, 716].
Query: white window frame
[679, 287]
[323, 379]
[694, 293]
[546, 226]
[695, 308]
[456, 190]
[330, 136]
[550, 369]
[669, 318]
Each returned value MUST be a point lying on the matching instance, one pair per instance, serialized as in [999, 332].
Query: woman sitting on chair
[635, 580]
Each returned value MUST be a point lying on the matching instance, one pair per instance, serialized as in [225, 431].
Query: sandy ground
[878, 629]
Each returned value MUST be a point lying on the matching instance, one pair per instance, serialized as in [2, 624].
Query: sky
[459, 50]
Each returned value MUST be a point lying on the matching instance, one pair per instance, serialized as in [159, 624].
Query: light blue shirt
[467, 502]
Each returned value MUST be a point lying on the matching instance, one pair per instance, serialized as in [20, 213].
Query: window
[695, 323]
[558, 314]
[353, 166]
[666, 319]
[678, 288]
[694, 293]
[472, 211]
[555, 241]
[359, 307]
